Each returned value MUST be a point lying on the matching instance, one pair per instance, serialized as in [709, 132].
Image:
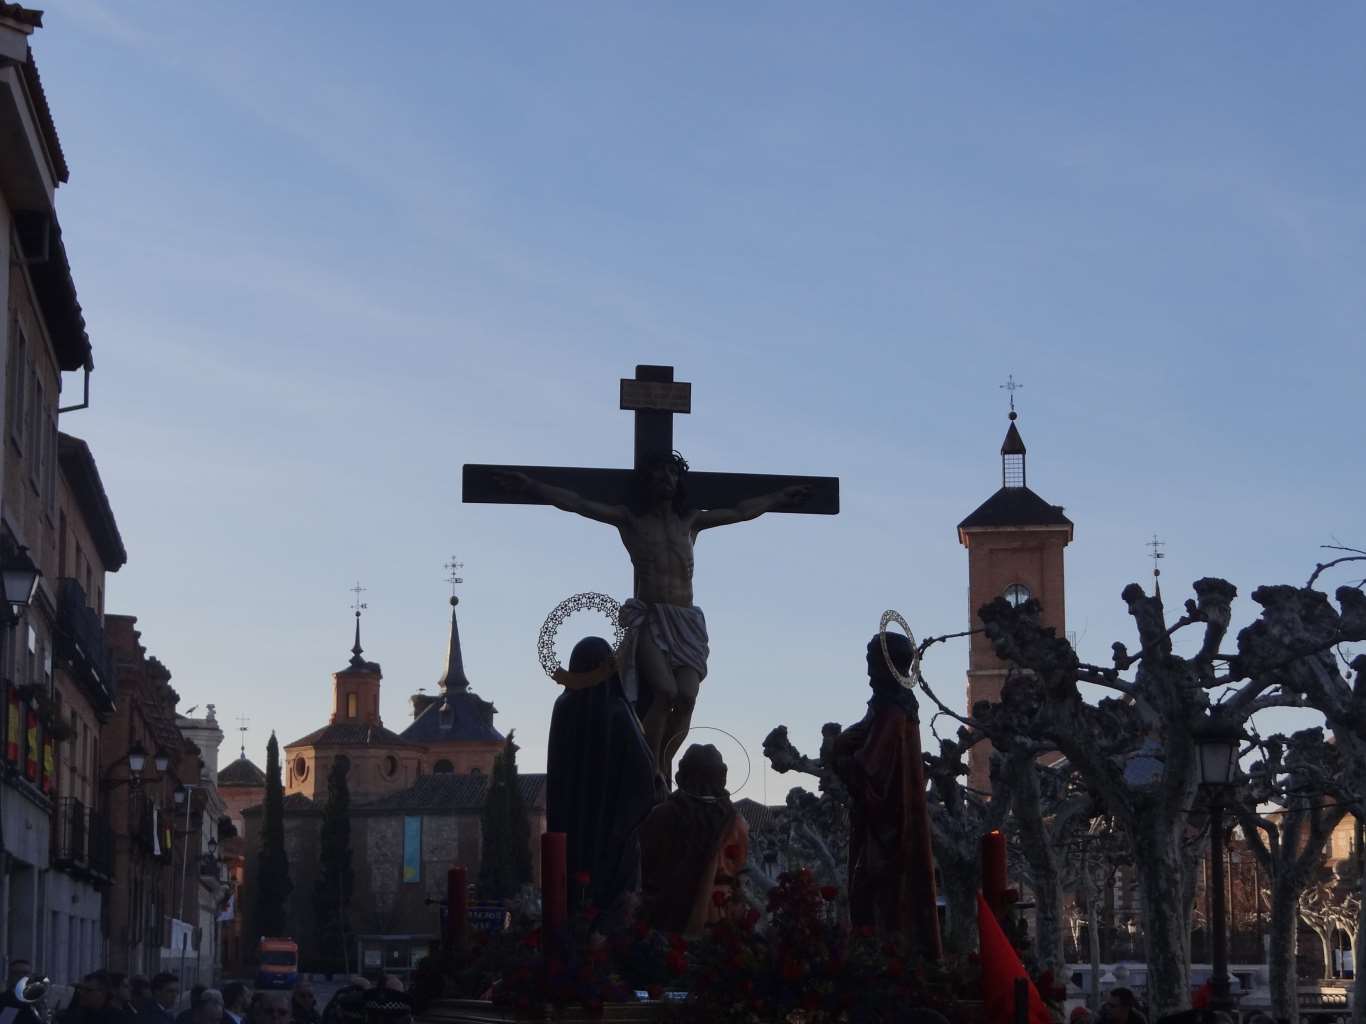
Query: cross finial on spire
[357, 606]
[1156, 547]
[453, 577]
[1012, 386]
[242, 721]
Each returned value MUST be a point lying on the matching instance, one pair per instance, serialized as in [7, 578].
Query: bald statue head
[701, 772]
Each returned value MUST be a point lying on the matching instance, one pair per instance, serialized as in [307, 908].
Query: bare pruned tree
[1297, 774]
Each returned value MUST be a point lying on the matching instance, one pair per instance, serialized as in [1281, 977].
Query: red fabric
[891, 868]
[1000, 968]
[1200, 1000]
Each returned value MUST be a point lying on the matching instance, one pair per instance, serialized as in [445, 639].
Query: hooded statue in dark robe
[600, 785]
[693, 848]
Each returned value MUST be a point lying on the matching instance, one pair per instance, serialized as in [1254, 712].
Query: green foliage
[505, 858]
[332, 891]
[272, 884]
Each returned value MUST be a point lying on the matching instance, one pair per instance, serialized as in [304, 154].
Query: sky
[328, 253]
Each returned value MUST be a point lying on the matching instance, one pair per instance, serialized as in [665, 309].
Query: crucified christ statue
[659, 530]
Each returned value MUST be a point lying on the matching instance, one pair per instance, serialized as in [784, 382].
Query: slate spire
[356, 649]
[453, 680]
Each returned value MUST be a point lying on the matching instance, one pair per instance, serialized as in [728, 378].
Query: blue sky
[328, 254]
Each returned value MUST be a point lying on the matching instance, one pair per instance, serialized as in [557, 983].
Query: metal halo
[550, 629]
[749, 765]
[913, 680]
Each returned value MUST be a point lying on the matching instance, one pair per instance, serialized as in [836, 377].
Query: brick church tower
[1015, 544]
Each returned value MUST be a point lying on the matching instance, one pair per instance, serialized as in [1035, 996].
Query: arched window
[443, 767]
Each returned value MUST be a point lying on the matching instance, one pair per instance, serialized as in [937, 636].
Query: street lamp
[137, 759]
[19, 581]
[162, 761]
[1217, 746]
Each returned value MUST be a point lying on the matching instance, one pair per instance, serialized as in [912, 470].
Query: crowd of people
[109, 997]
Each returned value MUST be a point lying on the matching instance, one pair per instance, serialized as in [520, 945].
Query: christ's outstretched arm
[562, 498]
[752, 508]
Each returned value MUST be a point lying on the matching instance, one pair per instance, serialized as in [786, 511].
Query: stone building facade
[141, 902]
[53, 687]
[89, 545]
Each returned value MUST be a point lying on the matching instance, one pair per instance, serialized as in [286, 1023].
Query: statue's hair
[642, 482]
[898, 646]
[701, 771]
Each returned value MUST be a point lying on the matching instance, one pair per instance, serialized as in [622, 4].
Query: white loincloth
[679, 633]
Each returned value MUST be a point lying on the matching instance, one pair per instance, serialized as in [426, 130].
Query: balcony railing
[69, 848]
[81, 638]
[83, 840]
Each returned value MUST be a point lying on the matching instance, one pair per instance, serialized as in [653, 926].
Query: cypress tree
[272, 882]
[332, 892]
[505, 858]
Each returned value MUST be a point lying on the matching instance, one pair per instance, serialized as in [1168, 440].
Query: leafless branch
[1354, 555]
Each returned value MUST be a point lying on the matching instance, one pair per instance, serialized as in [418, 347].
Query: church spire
[454, 679]
[357, 606]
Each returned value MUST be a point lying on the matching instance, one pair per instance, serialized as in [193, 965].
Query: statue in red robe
[891, 866]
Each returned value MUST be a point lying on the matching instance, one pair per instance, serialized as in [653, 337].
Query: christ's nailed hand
[794, 496]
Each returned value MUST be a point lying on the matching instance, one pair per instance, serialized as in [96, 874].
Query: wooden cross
[654, 397]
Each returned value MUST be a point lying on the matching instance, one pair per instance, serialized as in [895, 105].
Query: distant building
[1015, 541]
[140, 908]
[417, 797]
[241, 785]
[204, 882]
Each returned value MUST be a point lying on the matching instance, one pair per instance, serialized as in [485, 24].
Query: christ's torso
[660, 546]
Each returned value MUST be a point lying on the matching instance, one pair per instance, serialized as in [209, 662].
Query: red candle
[994, 878]
[457, 907]
[554, 881]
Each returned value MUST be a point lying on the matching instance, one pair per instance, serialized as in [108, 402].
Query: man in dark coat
[165, 995]
[601, 782]
[891, 866]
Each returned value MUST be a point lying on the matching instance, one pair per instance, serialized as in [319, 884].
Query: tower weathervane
[1012, 386]
[242, 721]
[1156, 546]
[453, 577]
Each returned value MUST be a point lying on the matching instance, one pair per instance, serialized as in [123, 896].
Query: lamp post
[1217, 745]
[19, 581]
[136, 759]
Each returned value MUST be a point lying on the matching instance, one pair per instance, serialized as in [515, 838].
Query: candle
[457, 909]
[554, 882]
[994, 878]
